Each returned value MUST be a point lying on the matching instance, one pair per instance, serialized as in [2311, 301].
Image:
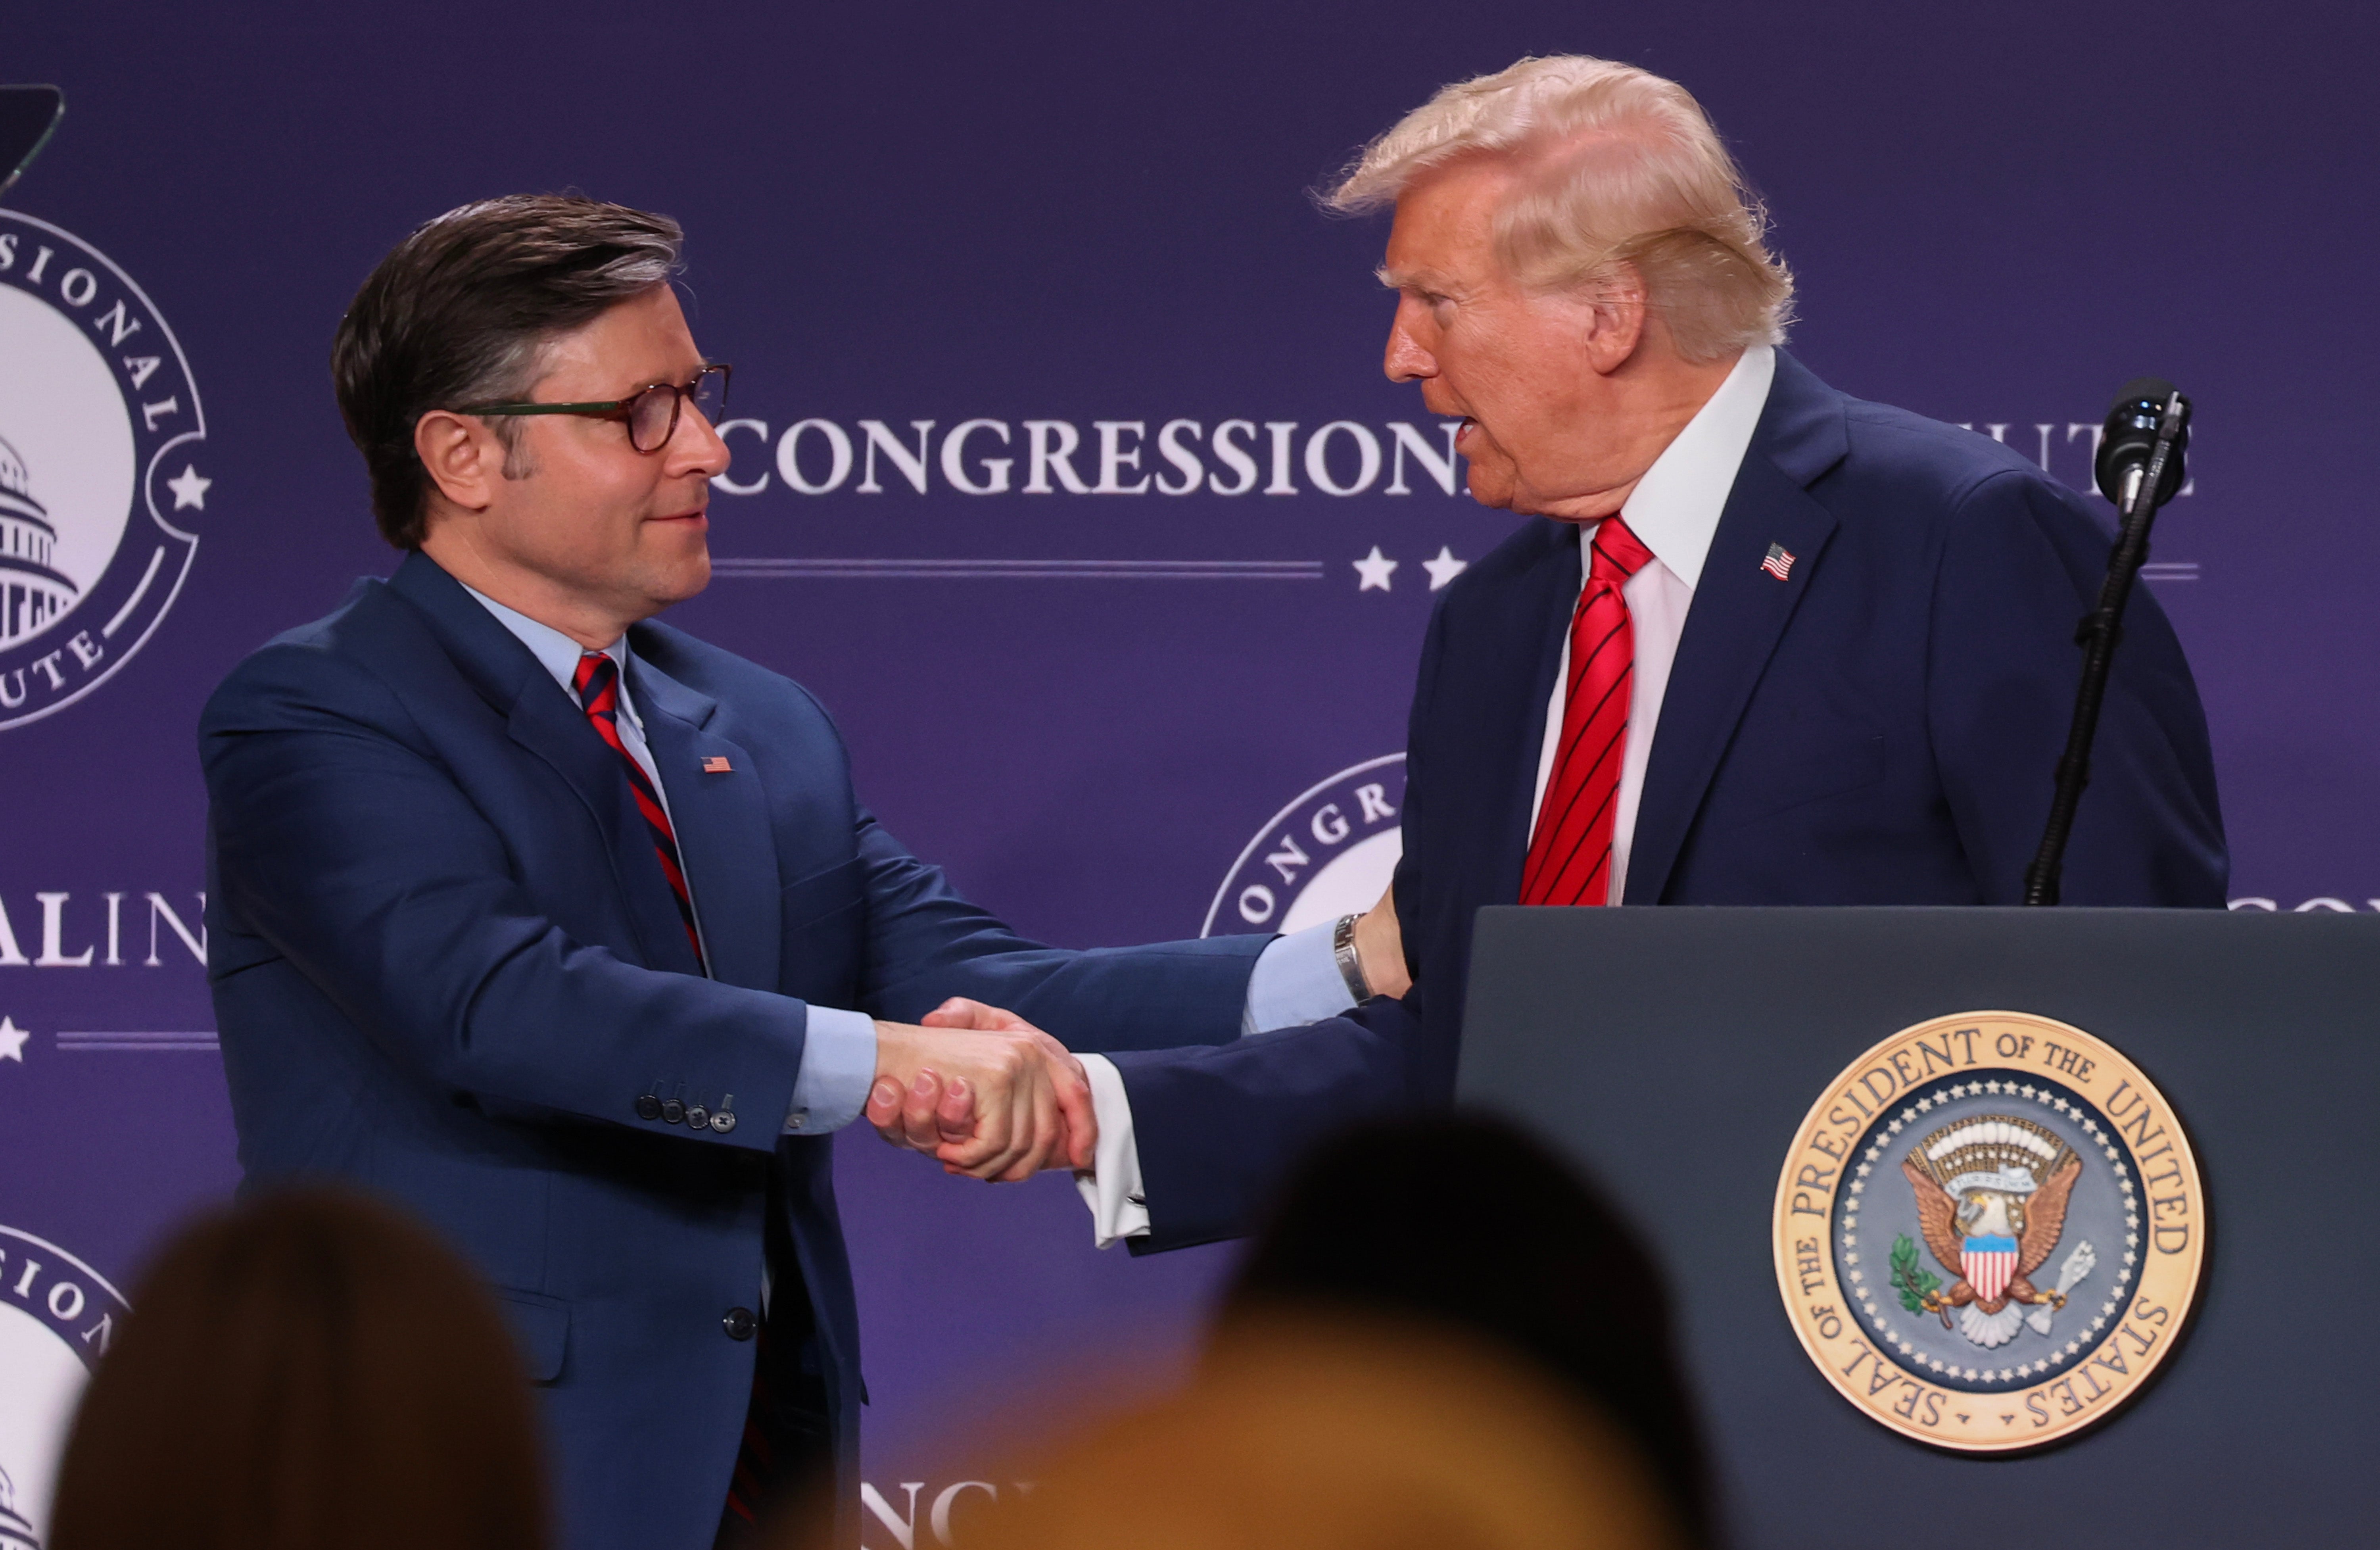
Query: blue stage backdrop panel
[933, 239]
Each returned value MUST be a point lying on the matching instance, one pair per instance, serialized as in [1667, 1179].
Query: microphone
[2139, 468]
[27, 114]
[2129, 442]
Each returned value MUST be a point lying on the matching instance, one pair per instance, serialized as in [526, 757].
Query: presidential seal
[101, 443]
[1989, 1231]
[1330, 852]
[57, 1317]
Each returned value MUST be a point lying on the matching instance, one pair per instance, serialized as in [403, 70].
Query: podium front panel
[1674, 1054]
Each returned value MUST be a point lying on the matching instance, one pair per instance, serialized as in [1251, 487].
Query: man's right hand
[983, 1090]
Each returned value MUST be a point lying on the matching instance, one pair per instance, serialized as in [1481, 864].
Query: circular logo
[1989, 1231]
[57, 1316]
[100, 440]
[1328, 853]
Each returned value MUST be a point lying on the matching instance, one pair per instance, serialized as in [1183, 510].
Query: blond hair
[1620, 169]
[1341, 1432]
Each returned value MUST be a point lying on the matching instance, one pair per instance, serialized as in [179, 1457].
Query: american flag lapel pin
[1779, 562]
[717, 764]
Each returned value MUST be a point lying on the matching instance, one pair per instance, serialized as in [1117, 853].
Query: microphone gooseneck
[2139, 468]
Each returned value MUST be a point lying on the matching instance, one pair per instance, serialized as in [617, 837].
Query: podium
[1676, 1054]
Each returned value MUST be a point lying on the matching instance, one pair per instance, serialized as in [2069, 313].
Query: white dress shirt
[1674, 512]
[1291, 983]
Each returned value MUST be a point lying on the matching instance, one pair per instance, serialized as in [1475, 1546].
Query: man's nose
[697, 446]
[1406, 360]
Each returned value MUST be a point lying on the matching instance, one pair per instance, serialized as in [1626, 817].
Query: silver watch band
[1351, 963]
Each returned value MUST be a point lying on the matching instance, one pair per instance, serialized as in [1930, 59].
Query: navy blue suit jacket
[445, 965]
[1877, 728]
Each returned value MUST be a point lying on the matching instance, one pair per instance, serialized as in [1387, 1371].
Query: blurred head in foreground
[305, 1372]
[1344, 1433]
[1443, 1338]
[1467, 1224]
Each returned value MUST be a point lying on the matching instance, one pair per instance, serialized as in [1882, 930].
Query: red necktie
[597, 684]
[1570, 856]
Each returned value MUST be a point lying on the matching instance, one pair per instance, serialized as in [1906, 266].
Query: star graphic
[1444, 569]
[189, 489]
[12, 1042]
[1373, 569]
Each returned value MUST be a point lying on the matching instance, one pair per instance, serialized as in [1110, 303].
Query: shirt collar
[1675, 510]
[558, 652]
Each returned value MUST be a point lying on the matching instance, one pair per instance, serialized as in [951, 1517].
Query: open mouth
[1464, 434]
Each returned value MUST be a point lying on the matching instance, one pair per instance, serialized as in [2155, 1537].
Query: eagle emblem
[1991, 1204]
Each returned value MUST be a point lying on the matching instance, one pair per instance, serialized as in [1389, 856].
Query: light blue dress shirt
[1295, 980]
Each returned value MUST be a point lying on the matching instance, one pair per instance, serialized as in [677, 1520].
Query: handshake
[988, 1095]
[983, 1091]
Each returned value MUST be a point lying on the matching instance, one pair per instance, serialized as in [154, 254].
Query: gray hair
[1620, 169]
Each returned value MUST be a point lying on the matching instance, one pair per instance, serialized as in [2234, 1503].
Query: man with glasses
[567, 930]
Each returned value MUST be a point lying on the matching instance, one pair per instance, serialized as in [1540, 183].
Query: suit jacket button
[648, 1108]
[723, 1121]
[739, 1323]
[697, 1117]
[672, 1111]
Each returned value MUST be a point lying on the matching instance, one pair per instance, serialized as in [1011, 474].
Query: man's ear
[1617, 312]
[463, 455]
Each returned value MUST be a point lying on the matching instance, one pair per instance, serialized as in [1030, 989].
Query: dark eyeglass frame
[624, 409]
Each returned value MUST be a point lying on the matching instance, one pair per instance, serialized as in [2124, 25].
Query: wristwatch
[1351, 963]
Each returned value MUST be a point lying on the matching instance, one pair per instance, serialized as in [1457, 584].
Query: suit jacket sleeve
[2021, 563]
[1219, 1129]
[927, 943]
[341, 842]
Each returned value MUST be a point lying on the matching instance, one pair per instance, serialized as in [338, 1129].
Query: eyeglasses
[650, 413]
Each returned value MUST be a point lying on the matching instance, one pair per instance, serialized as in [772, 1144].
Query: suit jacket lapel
[1739, 612]
[721, 818]
[540, 718]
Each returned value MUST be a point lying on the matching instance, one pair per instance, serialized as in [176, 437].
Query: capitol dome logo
[1328, 853]
[58, 1318]
[101, 442]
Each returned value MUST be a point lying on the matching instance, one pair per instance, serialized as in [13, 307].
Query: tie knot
[1618, 553]
[596, 678]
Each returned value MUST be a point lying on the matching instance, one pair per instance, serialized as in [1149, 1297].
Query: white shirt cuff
[1112, 1189]
[838, 1069]
[1296, 981]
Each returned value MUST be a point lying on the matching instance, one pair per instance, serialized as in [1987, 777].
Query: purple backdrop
[1070, 213]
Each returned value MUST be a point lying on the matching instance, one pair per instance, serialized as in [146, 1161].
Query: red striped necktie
[1570, 856]
[598, 686]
